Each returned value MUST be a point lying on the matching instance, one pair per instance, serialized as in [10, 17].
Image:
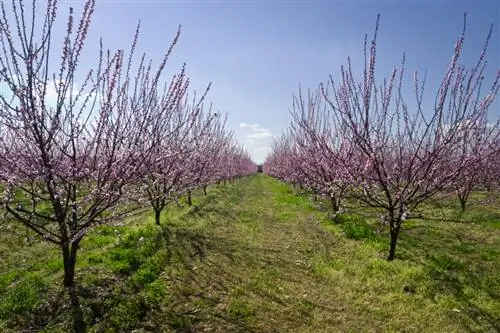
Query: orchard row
[116, 138]
[360, 140]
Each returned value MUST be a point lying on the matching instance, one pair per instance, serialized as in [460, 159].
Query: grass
[255, 257]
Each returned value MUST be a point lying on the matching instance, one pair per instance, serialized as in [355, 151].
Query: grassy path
[255, 272]
[254, 257]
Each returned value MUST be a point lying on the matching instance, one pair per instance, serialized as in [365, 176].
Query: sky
[256, 53]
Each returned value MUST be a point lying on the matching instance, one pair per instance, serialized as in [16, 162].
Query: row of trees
[117, 138]
[361, 140]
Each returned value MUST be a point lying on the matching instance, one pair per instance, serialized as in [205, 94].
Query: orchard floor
[253, 256]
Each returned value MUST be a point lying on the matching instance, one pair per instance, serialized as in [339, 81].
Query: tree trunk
[157, 216]
[463, 197]
[335, 204]
[463, 203]
[69, 258]
[205, 189]
[190, 201]
[395, 228]
[69, 252]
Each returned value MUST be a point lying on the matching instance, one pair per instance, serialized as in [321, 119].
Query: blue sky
[256, 53]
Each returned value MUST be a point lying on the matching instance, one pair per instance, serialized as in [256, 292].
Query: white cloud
[245, 125]
[256, 132]
[259, 135]
[256, 140]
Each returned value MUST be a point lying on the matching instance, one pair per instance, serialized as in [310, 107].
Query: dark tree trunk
[463, 196]
[463, 204]
[395, 228]
[69, 258]
[205, 189]
[69, 252]
[190, 201]
[157, 216]
[335, 204]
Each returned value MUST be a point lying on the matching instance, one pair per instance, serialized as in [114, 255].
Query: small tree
[321, 149]
[477, 144]
[201, 144]
[164, 178]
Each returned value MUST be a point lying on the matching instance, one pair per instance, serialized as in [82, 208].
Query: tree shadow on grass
[118, 302]
[453, 278]
[455, 270]
[121, 288]
[226, 280]
[185, 279]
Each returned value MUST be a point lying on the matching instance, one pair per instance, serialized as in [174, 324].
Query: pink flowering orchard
[395, 155]
[190, 155]
[164, 178]
[116, 138]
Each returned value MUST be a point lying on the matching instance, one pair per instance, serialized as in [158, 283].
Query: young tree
[202, 145]
[164, 179]
[475, 137]
[490, 179]
[321, 148]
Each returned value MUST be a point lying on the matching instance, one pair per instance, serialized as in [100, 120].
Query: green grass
[255, 257]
